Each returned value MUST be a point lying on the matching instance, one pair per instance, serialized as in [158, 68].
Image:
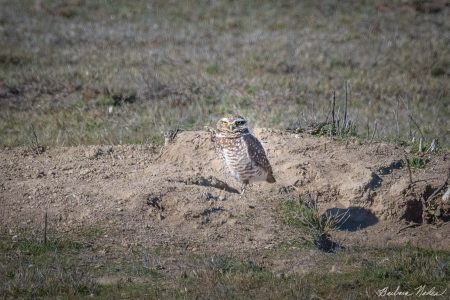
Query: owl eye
[224, 122]
[240, 122]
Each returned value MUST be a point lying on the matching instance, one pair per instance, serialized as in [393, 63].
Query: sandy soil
[181, 194]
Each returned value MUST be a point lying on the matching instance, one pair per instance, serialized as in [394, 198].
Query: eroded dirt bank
[182, 195]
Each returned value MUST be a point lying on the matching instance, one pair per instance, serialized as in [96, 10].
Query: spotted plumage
[242, 153]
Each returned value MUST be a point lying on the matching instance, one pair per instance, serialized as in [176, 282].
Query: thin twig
[368, 129]
[417, 126]
[37, 147]
[374, 131]
[432, 196]
[396, 118]
[345, 106]
[45, 228]
[338, 121]
[433, 146]
[409, 170]
[408, 226]
[333, 107]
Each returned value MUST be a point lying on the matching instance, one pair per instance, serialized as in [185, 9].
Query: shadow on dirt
[356, 218]
[211, 182]
[325, 244]
[376, 180]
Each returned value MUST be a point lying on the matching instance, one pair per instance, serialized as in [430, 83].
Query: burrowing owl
[242, 153]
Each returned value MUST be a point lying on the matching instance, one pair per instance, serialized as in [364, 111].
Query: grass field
[88, 265]
[89, 72]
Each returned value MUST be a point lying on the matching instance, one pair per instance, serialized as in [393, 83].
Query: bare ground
[180, 197]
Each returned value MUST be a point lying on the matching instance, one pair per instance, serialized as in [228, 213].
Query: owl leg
[244, 186]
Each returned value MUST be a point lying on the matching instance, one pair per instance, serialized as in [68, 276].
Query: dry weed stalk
[321, 226]
[36, 147]
[408, 165]
[45, 227]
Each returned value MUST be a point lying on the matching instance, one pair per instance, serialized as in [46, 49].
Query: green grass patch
[34, 269]
[305, 215]
[67, 269]
[212, 69]
[416, 163]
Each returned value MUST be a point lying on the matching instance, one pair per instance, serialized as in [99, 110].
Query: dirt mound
[182, 194]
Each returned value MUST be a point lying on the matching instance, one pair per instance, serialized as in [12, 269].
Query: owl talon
[243, 189]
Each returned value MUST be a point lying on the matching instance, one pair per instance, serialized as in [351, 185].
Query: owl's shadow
[212, 181]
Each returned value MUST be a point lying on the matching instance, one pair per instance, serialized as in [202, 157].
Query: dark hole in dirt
[355, 218]
[413, 212]
[429, 190]
[436, 210]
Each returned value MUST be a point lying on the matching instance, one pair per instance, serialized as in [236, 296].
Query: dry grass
[64, 64]
[66, 268]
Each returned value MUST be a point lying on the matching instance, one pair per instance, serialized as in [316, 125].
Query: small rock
[85, 171]
[93, 153]
[207, 196]
[40, 174]
[446, 197]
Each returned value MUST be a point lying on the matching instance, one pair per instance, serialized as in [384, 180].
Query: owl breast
[238, 161]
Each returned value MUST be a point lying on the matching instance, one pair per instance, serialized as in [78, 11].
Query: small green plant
[306, 215]
[212, 69]
[416, 163]
[34, 143]
[250, 89]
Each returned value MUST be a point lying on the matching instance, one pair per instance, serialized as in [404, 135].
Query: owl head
[232, 123]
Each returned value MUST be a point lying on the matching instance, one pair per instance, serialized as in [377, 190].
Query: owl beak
[231, 127]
